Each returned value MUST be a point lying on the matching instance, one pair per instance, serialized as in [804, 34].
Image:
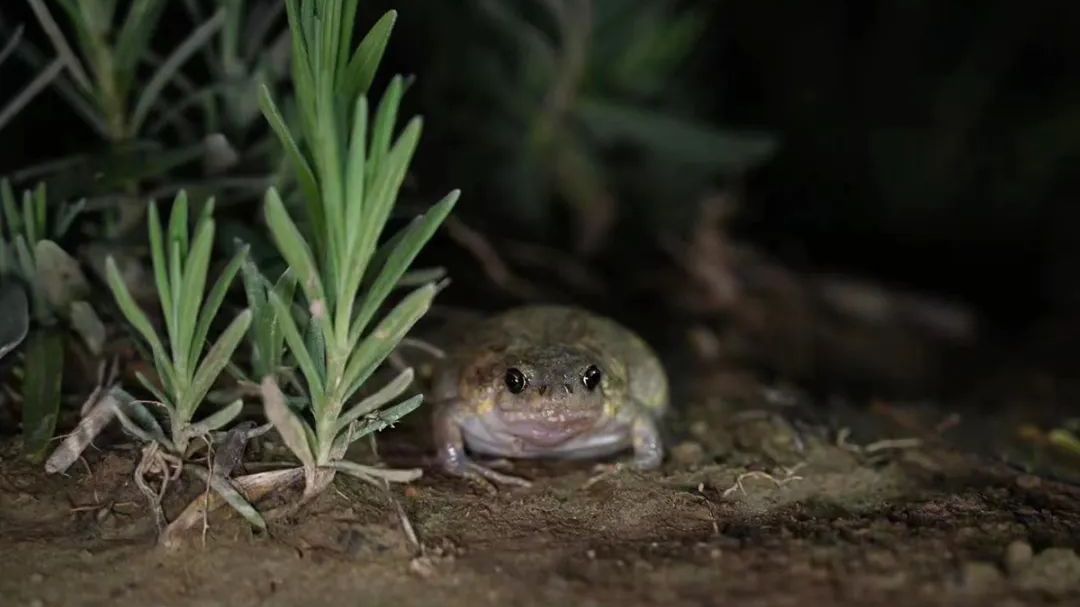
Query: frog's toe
[648, 460]
[469, 469]
[500, 464]
[473, 468]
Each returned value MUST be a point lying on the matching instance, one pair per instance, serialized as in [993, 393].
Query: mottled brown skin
[556, 413]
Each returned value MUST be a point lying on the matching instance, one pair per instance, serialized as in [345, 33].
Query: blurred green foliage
[579, 106]
[46, 297]
[945, 133]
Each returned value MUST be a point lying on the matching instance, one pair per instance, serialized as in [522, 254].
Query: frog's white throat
[507, 434]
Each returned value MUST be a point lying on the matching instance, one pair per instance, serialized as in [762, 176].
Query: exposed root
[603, 472]
[211, 460]
[892, 443]
[168, 467]
[403, 518]
[253, 487]
[789, 477]
[877, 446]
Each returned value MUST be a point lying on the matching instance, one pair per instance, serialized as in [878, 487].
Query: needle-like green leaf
[305, 175]
[387, 417]
[216, 358]
[289, 426]
[384, 395]
[134, 37]
[159, 262]
[192, 291]
[156, 391]
[298, 348]
[401, 257]
[132, 312]
[30, 223]
[41, 389]
[365, 60]
[385, 119]
[217, 419]
[212, 304]
[355, 172]
[375, 347]
[293, 247]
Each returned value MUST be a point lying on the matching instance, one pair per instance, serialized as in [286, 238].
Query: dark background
[922, 144]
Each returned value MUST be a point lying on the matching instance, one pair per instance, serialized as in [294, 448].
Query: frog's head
[548, 394]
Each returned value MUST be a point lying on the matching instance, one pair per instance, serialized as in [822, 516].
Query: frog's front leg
[646, 441]
[450, 442]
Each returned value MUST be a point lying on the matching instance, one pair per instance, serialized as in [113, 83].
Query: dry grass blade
[12, 43]
[252, 487]
[38, 84]
[371, 474]
[93, 422]
[59, 42]
[167, 71]
[288, 425]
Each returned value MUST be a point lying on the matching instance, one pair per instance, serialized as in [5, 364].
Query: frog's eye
[591, 378]
[515, 380]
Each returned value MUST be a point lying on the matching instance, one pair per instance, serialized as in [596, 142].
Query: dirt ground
[757, 505]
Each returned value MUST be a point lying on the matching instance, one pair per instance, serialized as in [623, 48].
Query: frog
[547, 381]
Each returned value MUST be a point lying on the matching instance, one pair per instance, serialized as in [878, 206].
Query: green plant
[46, 296]
[185, 374]
[349, 176]
[590, 113]
[100, 71]
[249, 50]
[109, 95]
[180, 268]
[266, 338]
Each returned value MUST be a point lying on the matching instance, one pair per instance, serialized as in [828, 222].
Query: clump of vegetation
[349, 167]
[184, 375]
[45, 300]
[591, 115]
[345, 165]
[159, 122]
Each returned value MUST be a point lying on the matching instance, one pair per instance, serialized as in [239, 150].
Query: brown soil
[834, 525]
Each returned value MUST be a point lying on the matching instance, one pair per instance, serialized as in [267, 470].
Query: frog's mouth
[546, 430]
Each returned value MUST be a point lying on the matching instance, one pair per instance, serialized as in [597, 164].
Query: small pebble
[1017, 556]
[36, 578]
[1054, 571]
[978, 577]
[590, 554]
[422, 566]
[688, 453]
[1027, 481]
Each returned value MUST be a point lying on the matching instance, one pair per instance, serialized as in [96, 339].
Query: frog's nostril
[542, 389]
